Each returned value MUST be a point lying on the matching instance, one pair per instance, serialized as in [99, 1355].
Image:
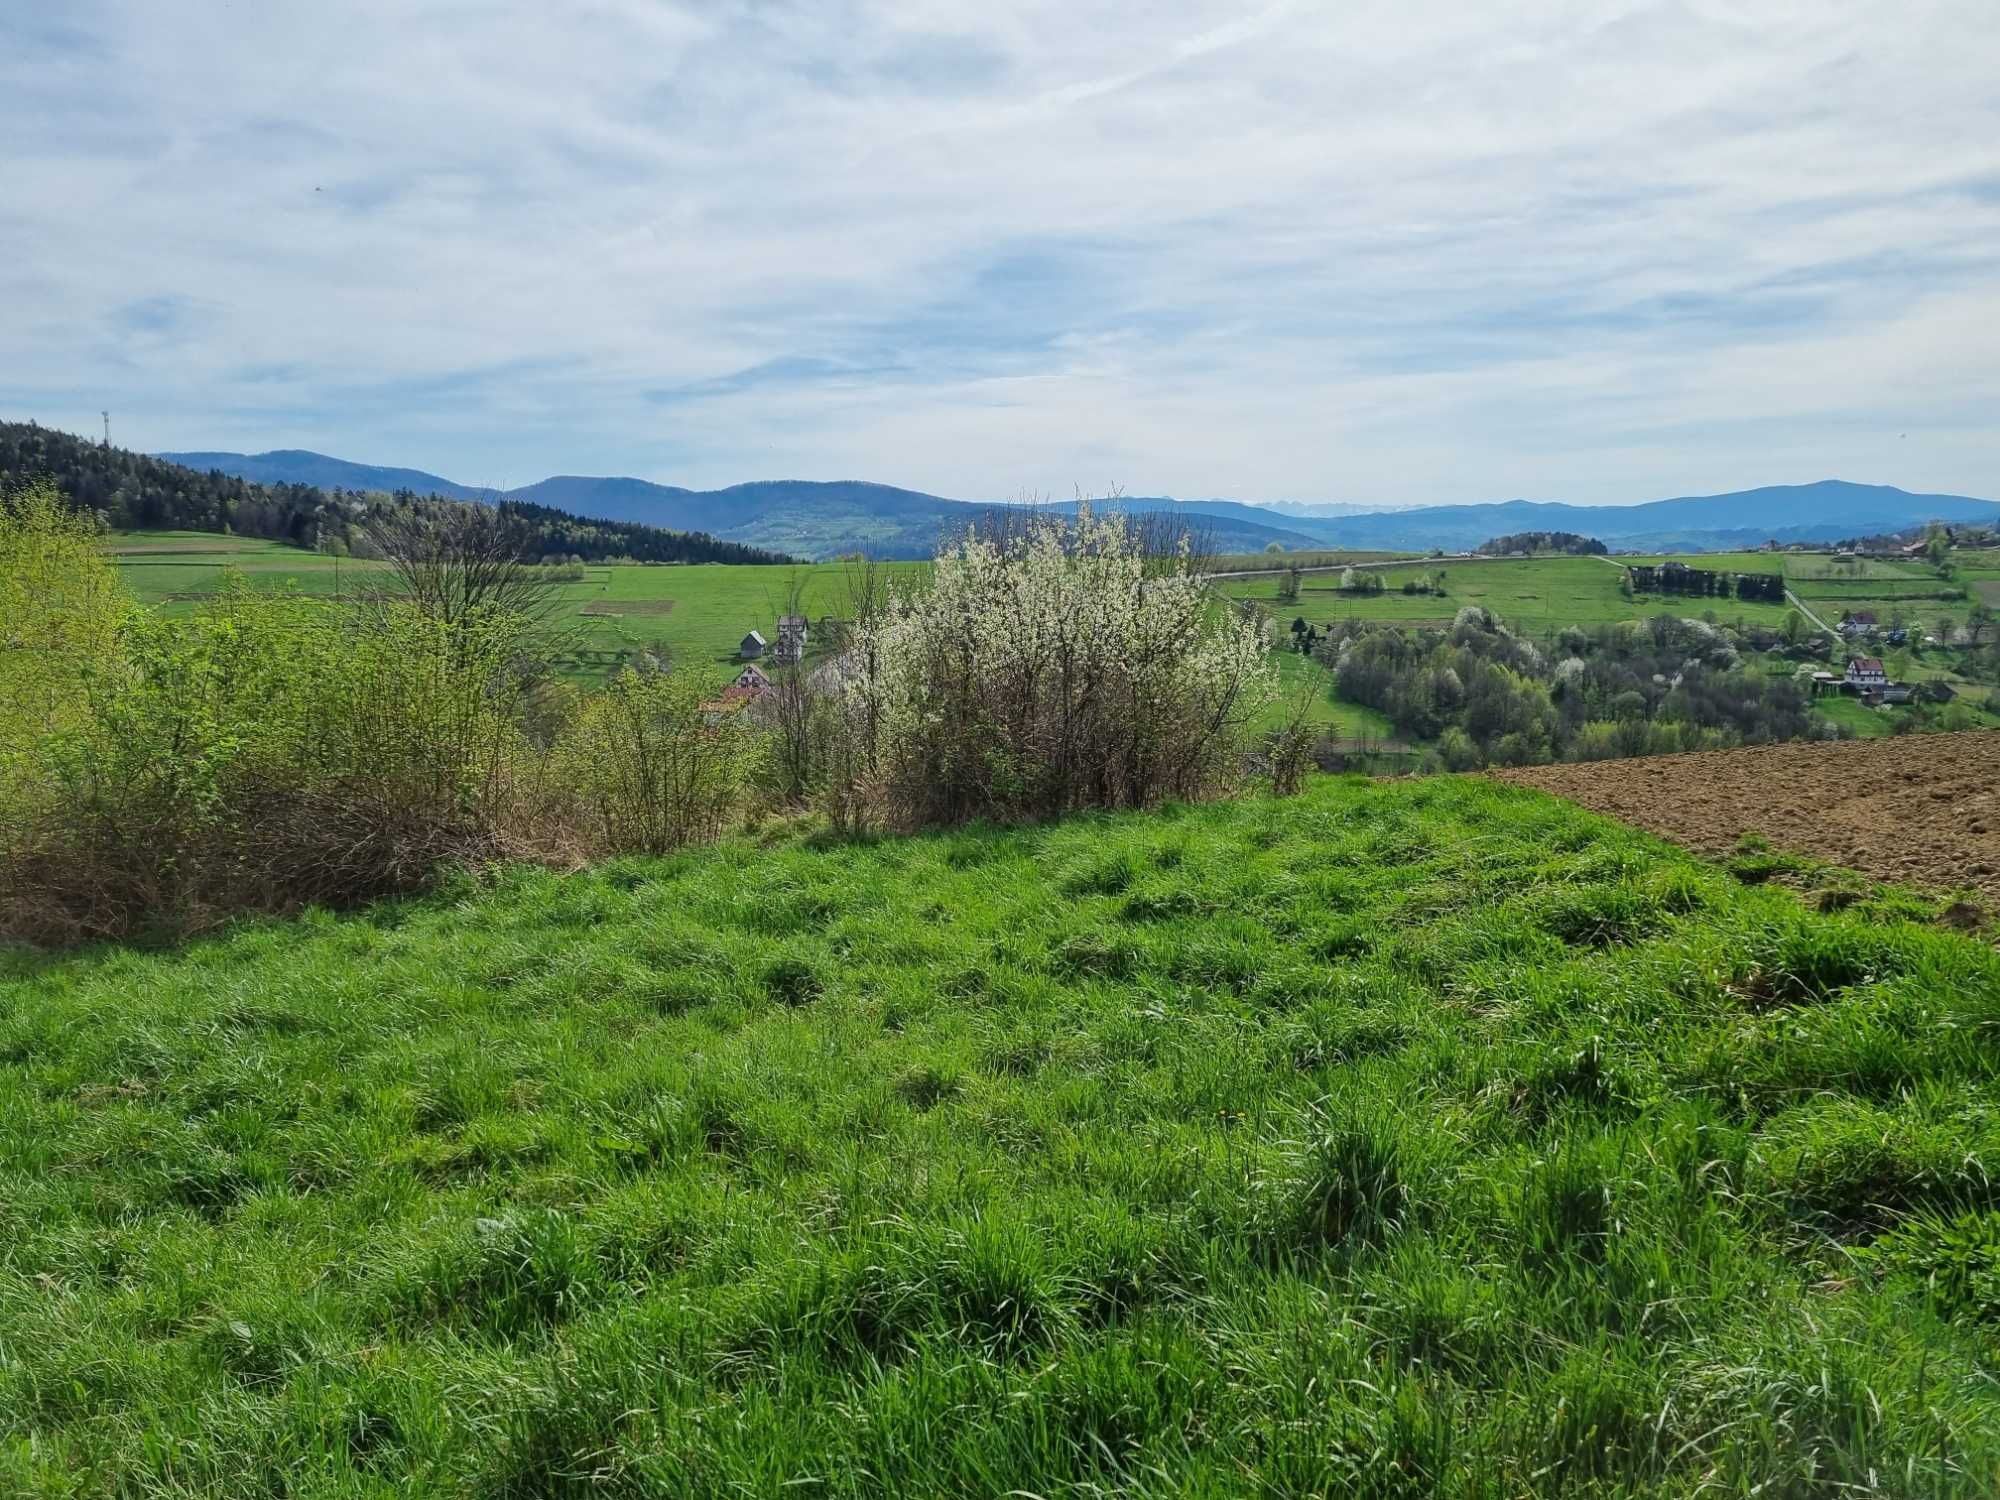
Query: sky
[1365, 252]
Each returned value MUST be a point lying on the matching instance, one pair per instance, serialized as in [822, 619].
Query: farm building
[751, 679]
[791, 638]
[1861, 622]
[1867, 673]
[752, 647]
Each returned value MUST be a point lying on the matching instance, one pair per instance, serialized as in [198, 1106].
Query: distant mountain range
[823, 519]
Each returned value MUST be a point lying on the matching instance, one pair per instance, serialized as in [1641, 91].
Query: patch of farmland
[1922, 810]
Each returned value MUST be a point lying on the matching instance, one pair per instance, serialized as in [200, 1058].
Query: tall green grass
[1413, 1139]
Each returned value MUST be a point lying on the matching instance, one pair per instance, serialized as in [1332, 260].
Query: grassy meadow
[694, 614]
[1421, 1138]
[1536, 596]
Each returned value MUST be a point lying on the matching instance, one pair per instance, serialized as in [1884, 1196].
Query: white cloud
[1369, 251]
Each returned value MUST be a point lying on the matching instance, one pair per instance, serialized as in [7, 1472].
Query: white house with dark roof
[1867, 673]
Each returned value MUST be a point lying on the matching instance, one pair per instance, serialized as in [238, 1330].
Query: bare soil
[617, 607]
[1919, 810]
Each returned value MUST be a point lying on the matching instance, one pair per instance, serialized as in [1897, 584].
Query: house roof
[1862, 617]
[753, 636]
[1865, 664]
[791, 622]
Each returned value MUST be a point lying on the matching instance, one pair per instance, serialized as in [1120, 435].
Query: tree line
[1490, 697]
[127, 491]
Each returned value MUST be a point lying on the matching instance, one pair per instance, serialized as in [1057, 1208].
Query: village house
[1867, 674]
[1859, 623]
[751, 647]
[791, 645]
[748, 687]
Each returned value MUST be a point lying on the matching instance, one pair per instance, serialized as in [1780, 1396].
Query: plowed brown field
[1922, 810]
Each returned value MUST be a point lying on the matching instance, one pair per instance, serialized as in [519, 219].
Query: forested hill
[1543, 541]
[135, 492]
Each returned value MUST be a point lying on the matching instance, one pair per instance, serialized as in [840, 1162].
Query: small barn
[752, 647]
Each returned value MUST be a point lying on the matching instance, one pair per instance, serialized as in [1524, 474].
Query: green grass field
[1422, 1138]
[1535, 596]
[1725, 562]
[1353, 723]
[695, 614]
[1261, 562]
[699, 613]
[1832, 585]
[175, 569]
[1863, 722]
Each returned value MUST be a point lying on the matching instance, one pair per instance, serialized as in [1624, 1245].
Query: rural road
[1800, 605]
[1391, 562]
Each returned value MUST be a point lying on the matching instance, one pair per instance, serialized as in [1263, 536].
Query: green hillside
[694, 614]
[1402, 1139]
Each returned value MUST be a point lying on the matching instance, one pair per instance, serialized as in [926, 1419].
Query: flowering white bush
[1057, 667]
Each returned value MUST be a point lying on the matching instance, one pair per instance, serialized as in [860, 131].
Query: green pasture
[1400, 1139]
[698, 614]
[176, 569]
[694, 614]
[1535, 596]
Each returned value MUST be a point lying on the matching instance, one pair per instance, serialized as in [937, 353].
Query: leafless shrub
[452, 559]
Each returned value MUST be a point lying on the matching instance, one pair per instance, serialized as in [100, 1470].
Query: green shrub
[274, 751]
[649, 767]
[269, 753]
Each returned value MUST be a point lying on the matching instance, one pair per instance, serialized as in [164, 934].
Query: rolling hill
[821, 519]
[803, 517]
[1822, 512]
[298, 466]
